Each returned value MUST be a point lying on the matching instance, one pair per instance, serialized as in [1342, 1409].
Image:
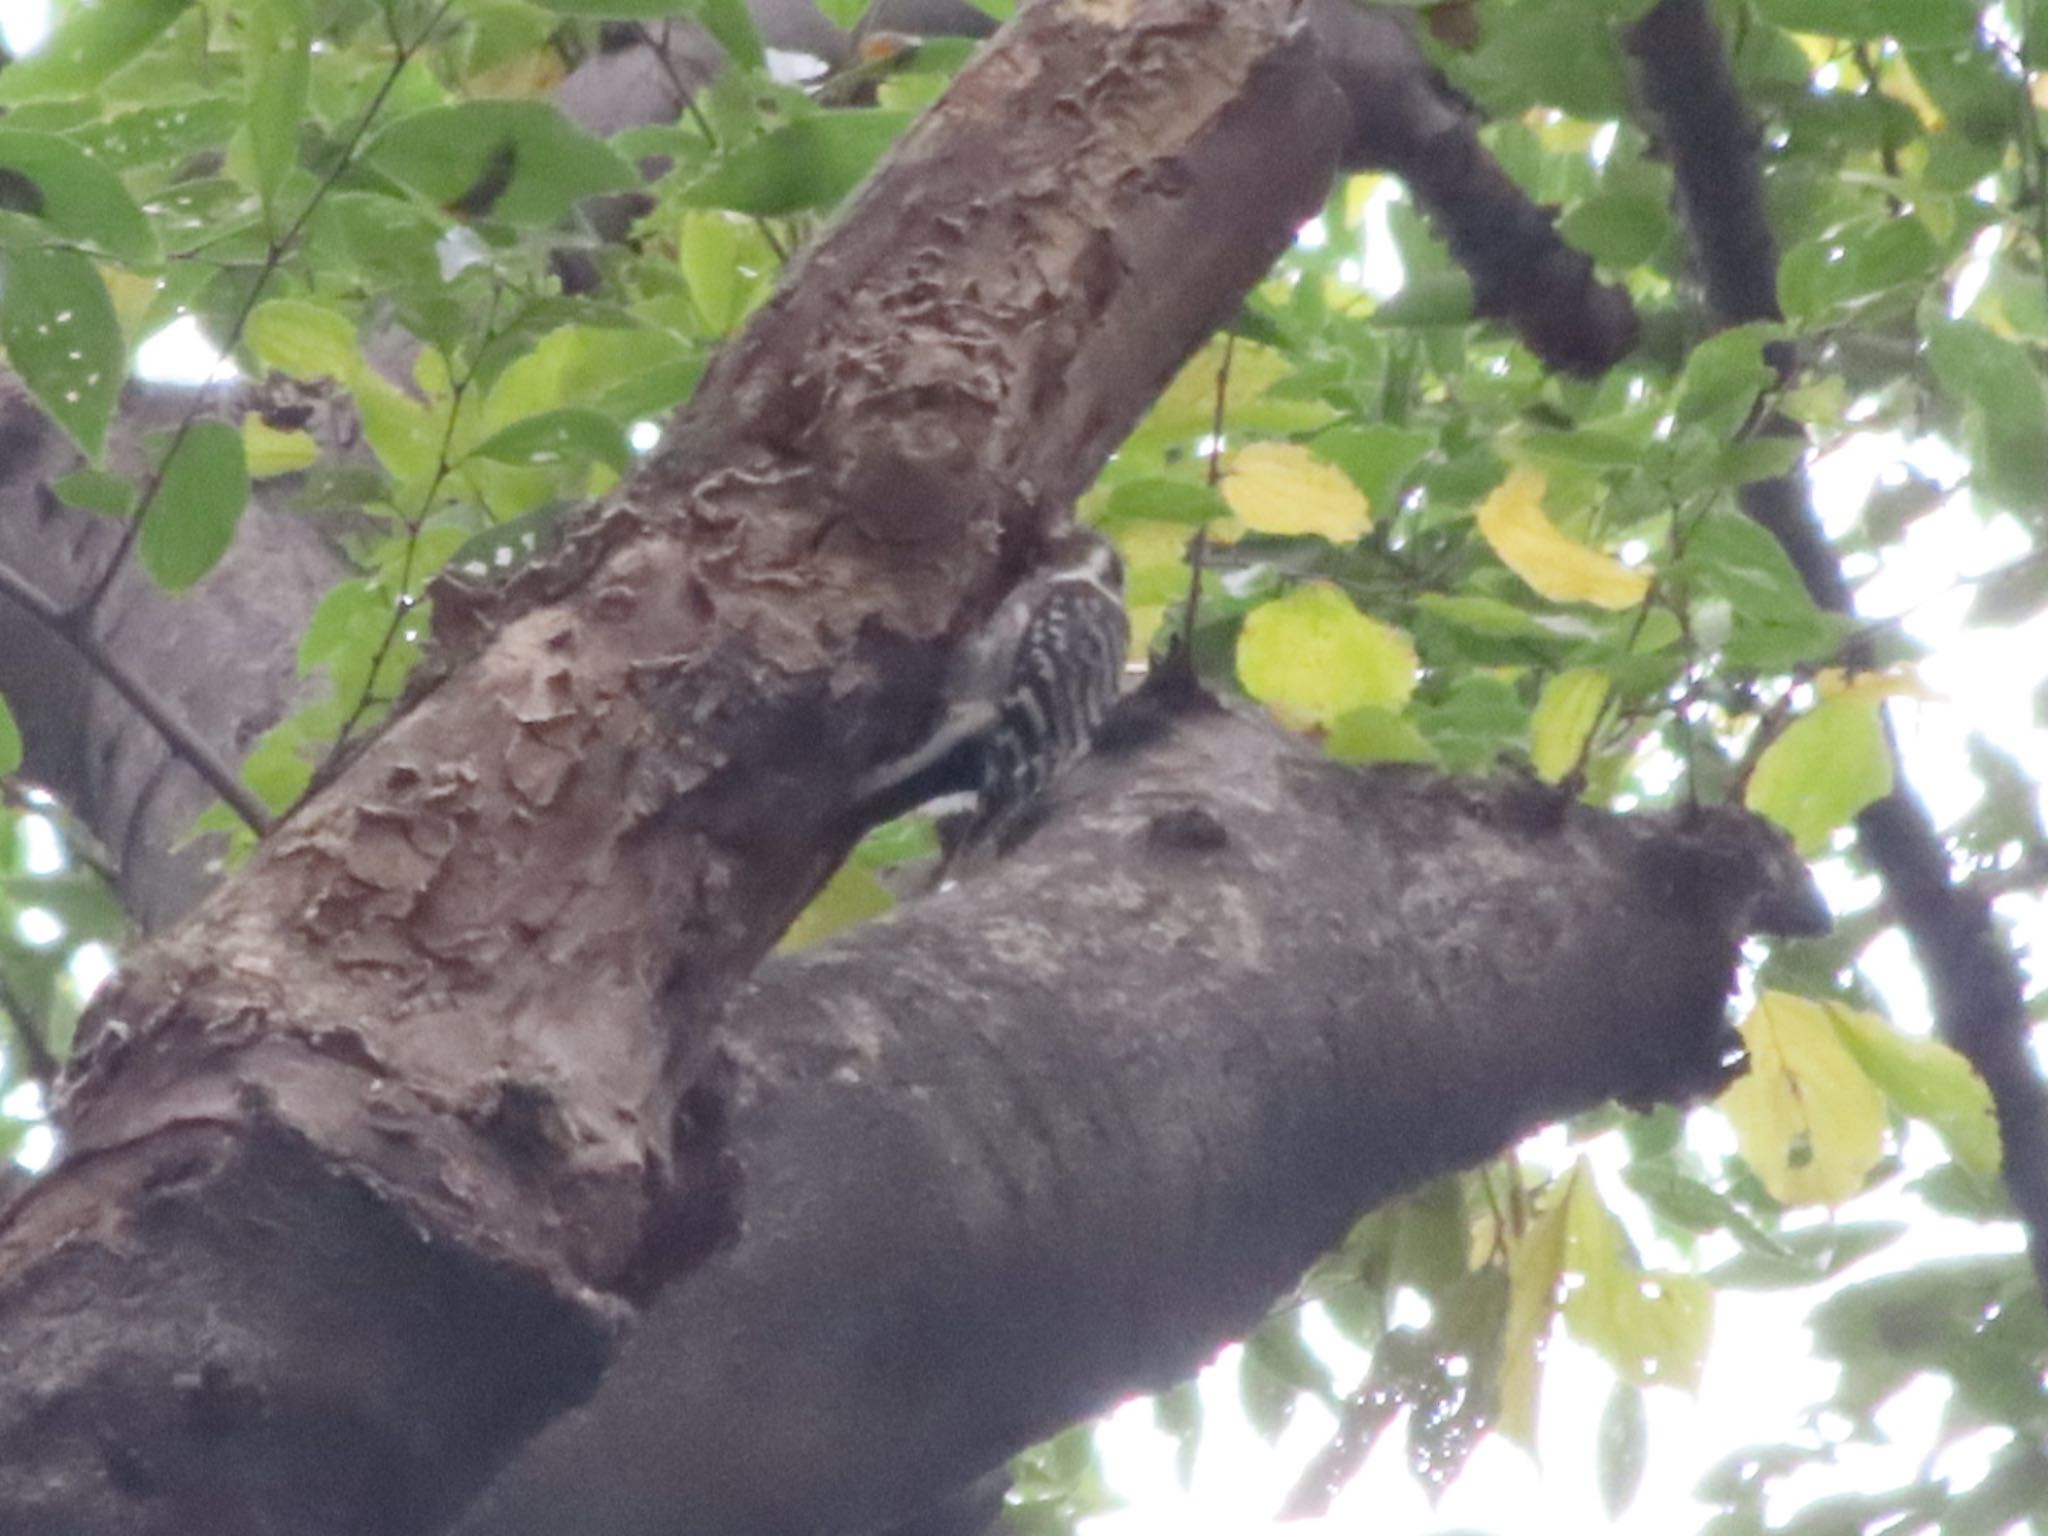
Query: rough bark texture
[1057, 1132]
[374, 1158]
[454, 1004]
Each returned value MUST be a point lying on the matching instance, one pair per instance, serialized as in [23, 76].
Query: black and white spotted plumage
[1024, 700]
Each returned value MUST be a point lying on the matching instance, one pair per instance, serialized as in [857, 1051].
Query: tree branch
[1051, 1137]
[1978, 992]
[190, 748]
[1407, 120]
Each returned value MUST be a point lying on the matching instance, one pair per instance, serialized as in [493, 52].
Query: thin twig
[686, 101]
[1198, 549]
[458, 389]
[185, 743]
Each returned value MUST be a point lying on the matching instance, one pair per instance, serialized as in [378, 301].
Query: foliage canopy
[1412, 539]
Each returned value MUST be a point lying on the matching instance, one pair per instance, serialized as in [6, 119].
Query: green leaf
[1491, 617]
[160, 135]
[1479, 716]
[709, 252]
[278, 54]
[1725, 374]
[1563, 720]
[1810, 1254]
[1156, 499]
[276, 771]
[10, 740]
[1619, 229]
[573, 432]
[898, 842]
[1758, 458]
[623, 9]
[1375, 734]
[1651, 1327]
[732, 25]
[1624, 1447]
[811, 163]
[53, 180]
[1378, 459]
[1731, 555]
[198, 504]
[303, 339]
[1554, 55]
[2000, 388]
[1435, 298]
[1313, 657]
[63, 339]
[1914, 23]
[653, 392]
[517, 161]
[96, 490]
[92, 42]
[1827, 766]
[1695, 1207]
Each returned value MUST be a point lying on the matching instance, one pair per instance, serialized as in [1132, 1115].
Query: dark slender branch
[1978, 991]
[189, 746]
[1406, 119]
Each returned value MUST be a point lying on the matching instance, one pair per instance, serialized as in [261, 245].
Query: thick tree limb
[1053, 1136]
[1978, 992]
[1044, 1139]
[220, 658]
[1407, 120]
[466, 990]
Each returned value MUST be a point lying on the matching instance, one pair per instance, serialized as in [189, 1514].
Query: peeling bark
[1044, 1139]
[458, 1001]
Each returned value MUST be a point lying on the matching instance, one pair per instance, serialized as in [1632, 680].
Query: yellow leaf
[1651, 1327]
[1873, 687]
[1156, 575]
[1512, 520]
[1358, 196]
[1283, 488]
[1806, 1115]
[851, 896]
[272, 452]
[1563, 719]
[1535, 1271]
[1313, 656]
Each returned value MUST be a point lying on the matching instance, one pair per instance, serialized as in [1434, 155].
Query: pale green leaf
[1828, 765]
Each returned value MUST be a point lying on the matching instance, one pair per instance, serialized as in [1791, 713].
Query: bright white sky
[1760, 1378]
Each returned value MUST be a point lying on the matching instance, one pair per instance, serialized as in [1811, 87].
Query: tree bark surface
[1054, 1135]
